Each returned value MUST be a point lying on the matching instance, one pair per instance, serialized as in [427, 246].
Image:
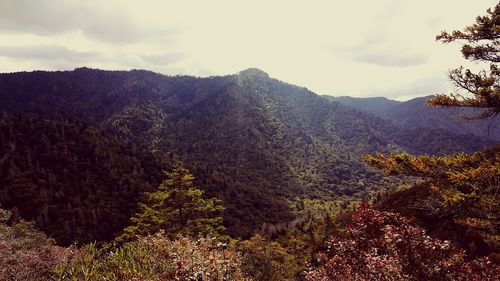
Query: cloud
[58, 16]
[390, 58]
[163, 59]
[378, 48]
[425, 86]
[46, 53]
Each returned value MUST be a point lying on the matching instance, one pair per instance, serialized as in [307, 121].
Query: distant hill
[253, 141]
[415, 113]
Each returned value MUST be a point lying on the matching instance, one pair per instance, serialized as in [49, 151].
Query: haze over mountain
[416, 113]
[251, 140]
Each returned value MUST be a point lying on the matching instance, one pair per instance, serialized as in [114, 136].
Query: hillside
[416, 113]
[75, 182]
[251, 140]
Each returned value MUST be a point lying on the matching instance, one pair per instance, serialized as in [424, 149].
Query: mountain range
[416, 113]
[251, 140]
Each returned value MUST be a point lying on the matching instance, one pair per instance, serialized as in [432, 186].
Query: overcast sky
[337, 47]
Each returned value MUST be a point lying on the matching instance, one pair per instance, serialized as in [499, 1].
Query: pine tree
[482, 90]
[466, 185]
[177, 207]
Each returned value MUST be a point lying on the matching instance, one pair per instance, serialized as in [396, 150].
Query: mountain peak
[254, 72]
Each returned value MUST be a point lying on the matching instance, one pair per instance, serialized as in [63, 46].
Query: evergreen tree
[482, 90]
[177, 207]
[466, 185]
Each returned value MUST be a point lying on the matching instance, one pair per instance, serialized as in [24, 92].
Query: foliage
[267, 260]
[155, 257]
[176, 207]
[75, 182]
[315, 223]
[466, 184]
[27, 254]
[482, 90]
[386, 246]
[295, 243]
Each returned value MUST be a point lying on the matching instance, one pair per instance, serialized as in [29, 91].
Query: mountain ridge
[416, 113]
[252, 140]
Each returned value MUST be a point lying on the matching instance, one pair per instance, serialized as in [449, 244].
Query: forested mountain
[75, 182]
[416, 113]
[251, 140]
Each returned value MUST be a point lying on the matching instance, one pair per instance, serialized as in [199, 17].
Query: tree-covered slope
[251, 140]
[75, 182]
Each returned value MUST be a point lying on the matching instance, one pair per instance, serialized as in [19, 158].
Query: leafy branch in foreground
[468, 185]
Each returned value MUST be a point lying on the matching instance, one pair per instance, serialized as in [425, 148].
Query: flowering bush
[157, 258]
[27, 254]
[386, 246]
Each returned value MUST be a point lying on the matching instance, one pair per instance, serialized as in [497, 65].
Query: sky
[335, 47]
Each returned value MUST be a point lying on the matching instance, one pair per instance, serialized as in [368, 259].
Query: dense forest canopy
[75, 182]
[250, 140]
